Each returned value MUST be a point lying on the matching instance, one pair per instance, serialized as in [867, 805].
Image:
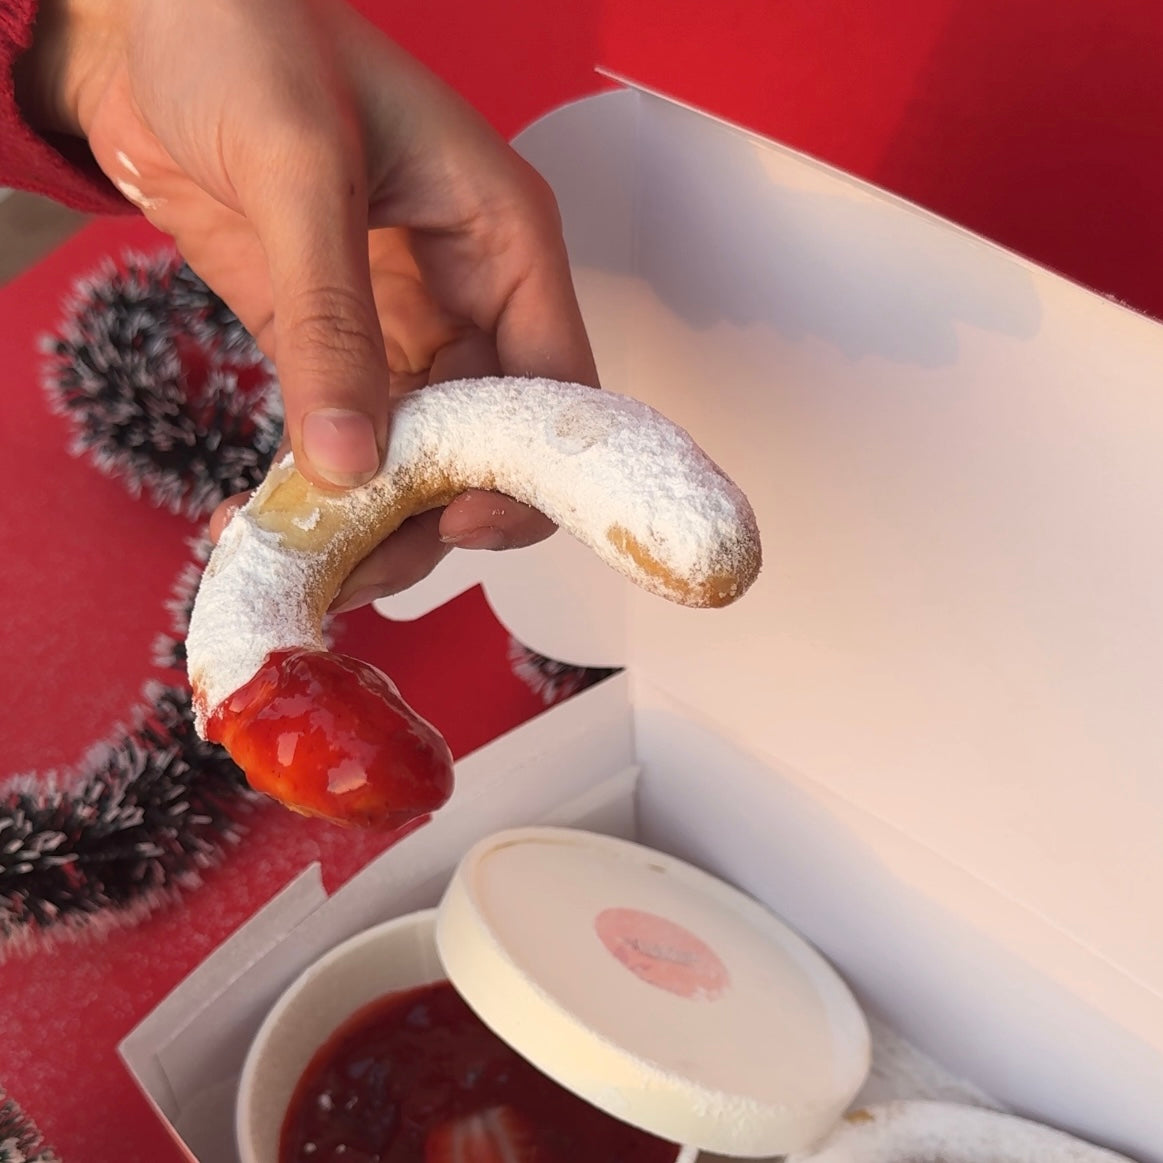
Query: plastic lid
[656, 992]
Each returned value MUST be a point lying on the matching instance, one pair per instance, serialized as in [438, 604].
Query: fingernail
[363, 597]
[484, 538]
[341, 446]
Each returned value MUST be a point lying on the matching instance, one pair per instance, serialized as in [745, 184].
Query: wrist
[74, 50]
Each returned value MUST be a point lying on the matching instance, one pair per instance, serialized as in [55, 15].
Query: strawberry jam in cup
[417, 1077]
[372, 1056]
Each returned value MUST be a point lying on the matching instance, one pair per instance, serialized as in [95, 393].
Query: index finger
[539, 329]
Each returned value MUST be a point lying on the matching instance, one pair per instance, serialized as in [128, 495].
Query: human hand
[368, 228]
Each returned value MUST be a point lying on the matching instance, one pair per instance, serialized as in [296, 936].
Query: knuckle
[525, 225]
[542, 203]
[334, 322]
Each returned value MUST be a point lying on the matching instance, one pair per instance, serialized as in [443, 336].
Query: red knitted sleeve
[56, 165]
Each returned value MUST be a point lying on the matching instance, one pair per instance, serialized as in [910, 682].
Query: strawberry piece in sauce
[330, 736]
[497, 1135]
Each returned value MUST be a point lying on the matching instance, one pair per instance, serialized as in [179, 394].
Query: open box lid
[954, 457]
[656, 992]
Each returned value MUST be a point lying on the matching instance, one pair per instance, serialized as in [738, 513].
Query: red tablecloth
[1037, 124]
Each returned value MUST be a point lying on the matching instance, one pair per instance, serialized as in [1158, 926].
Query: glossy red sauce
[416, 1077]
[329, 736]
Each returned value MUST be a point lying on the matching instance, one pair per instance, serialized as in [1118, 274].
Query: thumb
[328, 344]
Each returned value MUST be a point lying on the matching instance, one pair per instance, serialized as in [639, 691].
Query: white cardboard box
[929, 738]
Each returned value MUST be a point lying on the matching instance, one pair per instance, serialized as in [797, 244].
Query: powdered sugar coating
[588, 460]
[621, 478]
[938, 1132]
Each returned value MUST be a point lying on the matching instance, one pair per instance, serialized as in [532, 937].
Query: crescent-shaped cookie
[611, 471]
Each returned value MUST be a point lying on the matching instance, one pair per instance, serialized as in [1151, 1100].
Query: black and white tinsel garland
[20, 1139]
[146, 365]
[166, 392]
[550, 679]
[163, 387]
[146, 811]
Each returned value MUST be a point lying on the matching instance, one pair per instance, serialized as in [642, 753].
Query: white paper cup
[397, 955]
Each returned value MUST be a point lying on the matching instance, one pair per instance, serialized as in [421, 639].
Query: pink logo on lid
[662, 953]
